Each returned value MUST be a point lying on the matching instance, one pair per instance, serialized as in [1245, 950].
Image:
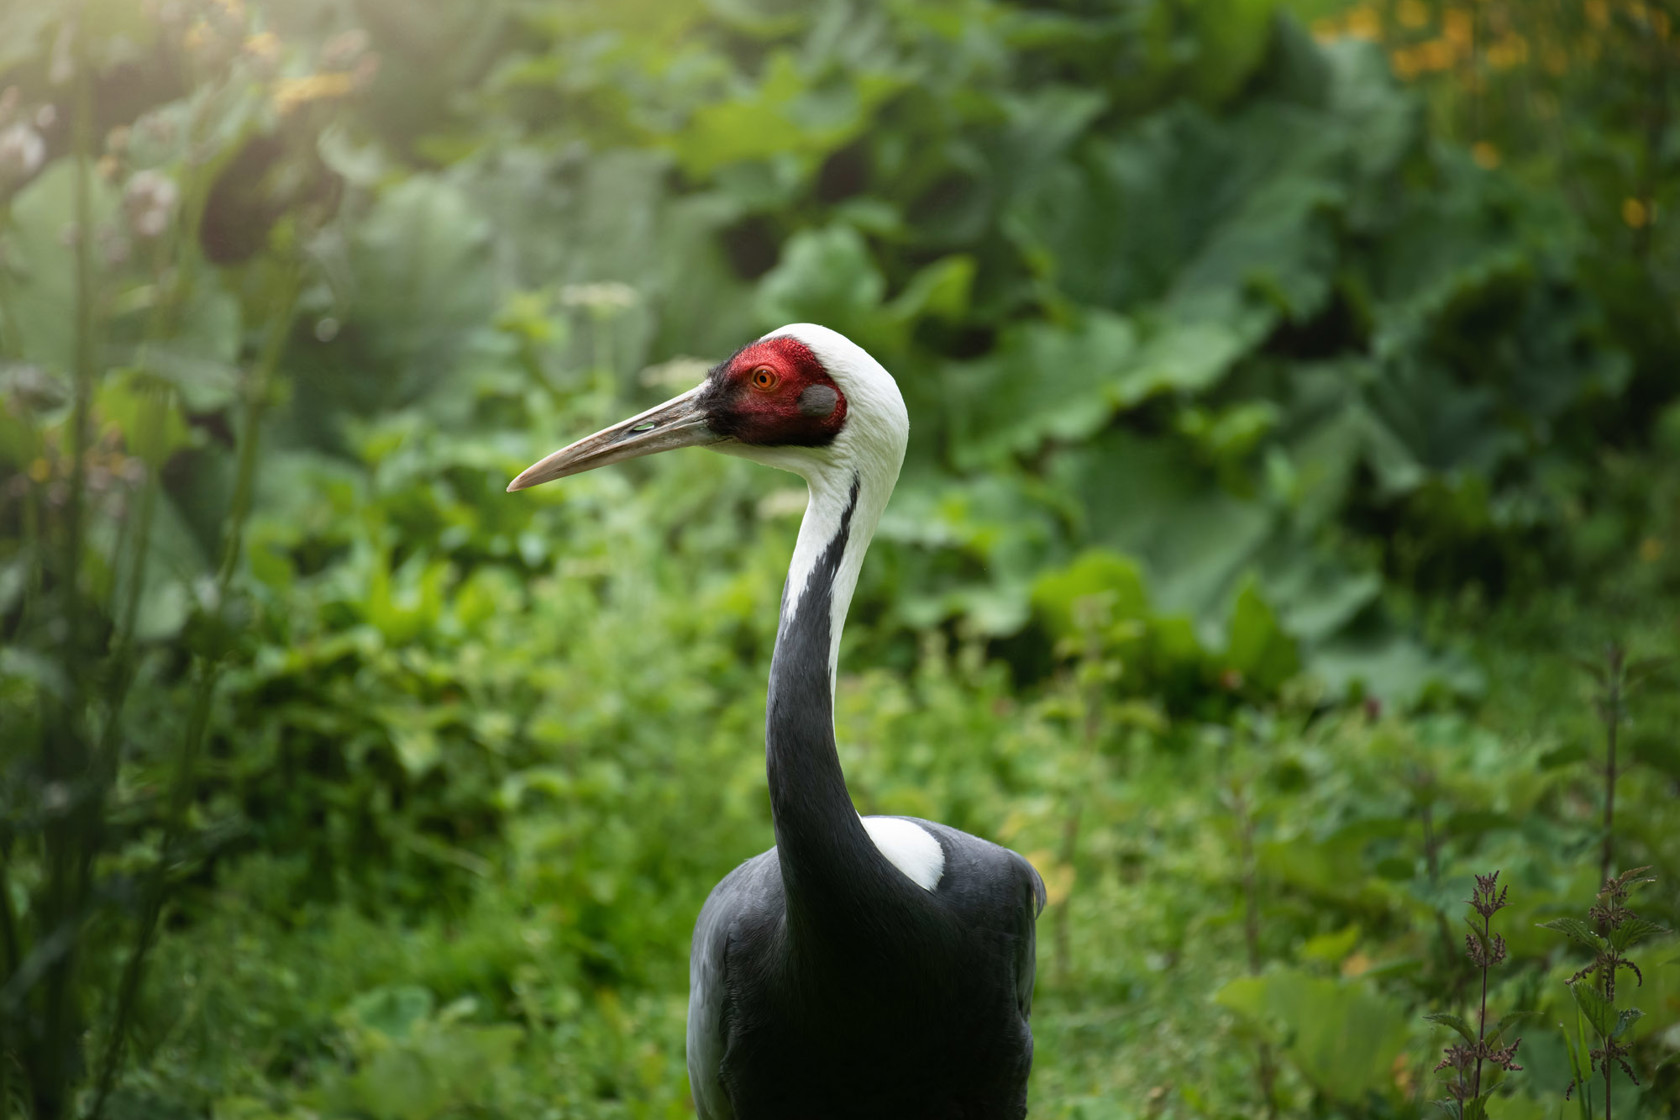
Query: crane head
[786, 399]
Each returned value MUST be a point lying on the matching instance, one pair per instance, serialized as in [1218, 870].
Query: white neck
[835, 868]
[830, 495]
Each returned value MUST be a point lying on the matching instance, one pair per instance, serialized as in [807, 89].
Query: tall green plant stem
[172, 286]
[1251, 928]
[1609, 1099]
[1090, 687]
[82, 416]
[1611, 714]
[11, 344]
[10, 961]
[1481, 1016]
[1650, 154]
[70, 831]
[10, 953]
[1608, 976]
[208, 672]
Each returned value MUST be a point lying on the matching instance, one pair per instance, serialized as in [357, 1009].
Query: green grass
[261, 1009]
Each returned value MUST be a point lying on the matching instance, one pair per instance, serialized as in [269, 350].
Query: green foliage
[1594, 987]
[1481, 1046]
[1344, 1037]
[1270, 455]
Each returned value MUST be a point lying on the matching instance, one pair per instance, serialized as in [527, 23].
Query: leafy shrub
[1246, 411]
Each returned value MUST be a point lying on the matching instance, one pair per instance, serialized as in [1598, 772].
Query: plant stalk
[69, 834]
[11, 334]
[1612, 716]
[208, 673]
[1251, 934]
[1481, 1017]
[1090, 732]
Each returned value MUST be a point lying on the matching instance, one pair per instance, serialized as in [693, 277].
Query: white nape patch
[908, 847]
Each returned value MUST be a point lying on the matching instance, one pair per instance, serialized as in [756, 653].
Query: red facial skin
[775, 392]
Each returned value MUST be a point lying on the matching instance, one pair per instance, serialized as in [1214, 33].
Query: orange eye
[764, 379]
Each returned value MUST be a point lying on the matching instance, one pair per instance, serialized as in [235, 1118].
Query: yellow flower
[198, 36]
[1458, 28]
[1326, 30]
[265, 46]
[1364, 23]
[1508, 52]
[1635, 213]
[1485, 155]
[1436, 54]
[292, 92]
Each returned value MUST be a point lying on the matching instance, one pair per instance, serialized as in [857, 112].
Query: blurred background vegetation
[1294, 388]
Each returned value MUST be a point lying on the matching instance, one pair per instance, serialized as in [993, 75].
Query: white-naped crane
[864, 967]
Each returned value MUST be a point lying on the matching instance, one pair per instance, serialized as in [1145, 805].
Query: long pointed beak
[679, 422]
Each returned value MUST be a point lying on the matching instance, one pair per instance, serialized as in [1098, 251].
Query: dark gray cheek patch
[818, 400]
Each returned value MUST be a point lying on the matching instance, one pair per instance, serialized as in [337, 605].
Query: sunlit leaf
[1577, 931]
[1456, 1022]
[1343, 1036]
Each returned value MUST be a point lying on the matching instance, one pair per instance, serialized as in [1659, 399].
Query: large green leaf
[1231, 38]
[43, 259]
[1343, 1036]
[1601, 1014]
[1632, 931]
[824, 276]
[1456, 1022]
[419, 282]
[1112, 580]
[1044, 382]
[785, 116]
[1258, 648]
[1578, 931]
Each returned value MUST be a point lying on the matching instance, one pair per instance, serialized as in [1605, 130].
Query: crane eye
[764, 379]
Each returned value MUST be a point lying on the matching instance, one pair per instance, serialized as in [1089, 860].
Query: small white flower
[149, 201]
[21, 153]
[601, 298]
